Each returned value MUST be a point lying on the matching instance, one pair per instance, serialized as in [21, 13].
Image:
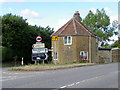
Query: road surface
[98, 76]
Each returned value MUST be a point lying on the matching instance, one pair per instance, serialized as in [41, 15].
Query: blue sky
[55, 14]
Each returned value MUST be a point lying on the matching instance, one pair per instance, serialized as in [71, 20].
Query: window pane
[69, 39]
[55, 55]
[65, 40]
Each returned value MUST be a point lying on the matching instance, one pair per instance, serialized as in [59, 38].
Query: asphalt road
[98, 76]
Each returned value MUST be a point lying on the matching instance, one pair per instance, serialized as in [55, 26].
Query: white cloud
[10, 9]
[27, 13]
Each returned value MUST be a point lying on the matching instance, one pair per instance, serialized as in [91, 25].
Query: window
[84, 55]
[55, 56]
[67, 40]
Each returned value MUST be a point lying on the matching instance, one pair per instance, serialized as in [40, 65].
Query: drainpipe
[90, 49]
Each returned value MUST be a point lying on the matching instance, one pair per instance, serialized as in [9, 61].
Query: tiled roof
[73, 27]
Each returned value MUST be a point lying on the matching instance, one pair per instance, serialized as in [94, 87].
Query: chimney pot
[77, 15]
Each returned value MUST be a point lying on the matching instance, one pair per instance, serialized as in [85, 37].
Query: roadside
[10, 64]
[42, 67]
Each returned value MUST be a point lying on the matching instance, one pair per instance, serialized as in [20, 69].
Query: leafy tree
[99, 23]
[19, 36]
[116, 44]
[12, 29]
[16, 35]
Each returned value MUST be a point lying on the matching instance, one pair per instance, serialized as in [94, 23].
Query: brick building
[74, 43]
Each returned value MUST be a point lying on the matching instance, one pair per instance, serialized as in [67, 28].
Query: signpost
[39, 52]
[39, 45]
[38, 38]
[54, 38]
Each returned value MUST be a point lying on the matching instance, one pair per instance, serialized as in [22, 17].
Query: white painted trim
[74, 26]
[83, 27]
[115, 48]
[66, 25]
[67, 40]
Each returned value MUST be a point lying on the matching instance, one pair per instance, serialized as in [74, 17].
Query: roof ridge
[66, 25]
[74, 26]
[61, 27]
[87, 28]
[84, 27]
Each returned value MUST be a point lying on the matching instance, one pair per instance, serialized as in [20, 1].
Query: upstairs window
[67, 40]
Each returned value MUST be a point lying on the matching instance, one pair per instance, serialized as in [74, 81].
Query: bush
[6, 54]
[0, 54]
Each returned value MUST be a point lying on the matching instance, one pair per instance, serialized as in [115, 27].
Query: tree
[116, 44]
[13, 27]
[99, 23]
[16, 35]
[19, 36]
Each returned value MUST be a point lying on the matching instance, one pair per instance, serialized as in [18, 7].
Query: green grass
[50, 64]
[41, 67]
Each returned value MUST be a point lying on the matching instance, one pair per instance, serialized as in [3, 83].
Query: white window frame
[67, 42]
[84, 52]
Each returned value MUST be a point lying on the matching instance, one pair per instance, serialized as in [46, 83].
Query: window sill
[67, 44]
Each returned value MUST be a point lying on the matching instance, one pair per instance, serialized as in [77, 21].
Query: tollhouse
[74, 42]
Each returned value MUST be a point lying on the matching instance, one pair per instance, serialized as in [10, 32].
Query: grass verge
[42, 67]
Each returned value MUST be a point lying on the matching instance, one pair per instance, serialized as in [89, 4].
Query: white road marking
[71, 84]
[85, 80]
[63, 87]
[77, 82]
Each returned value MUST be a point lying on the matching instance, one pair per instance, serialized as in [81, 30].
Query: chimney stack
[77, 15]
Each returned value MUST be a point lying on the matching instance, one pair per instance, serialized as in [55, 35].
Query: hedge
[5, 54]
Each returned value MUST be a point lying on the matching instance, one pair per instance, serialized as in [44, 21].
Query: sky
[56, 14]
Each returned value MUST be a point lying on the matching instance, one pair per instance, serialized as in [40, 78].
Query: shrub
[6, 54]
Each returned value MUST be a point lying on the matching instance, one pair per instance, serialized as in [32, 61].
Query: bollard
[22, 61]
[35, 62]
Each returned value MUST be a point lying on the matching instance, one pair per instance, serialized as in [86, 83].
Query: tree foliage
[19, 36]
[99, 23]
[116, 44]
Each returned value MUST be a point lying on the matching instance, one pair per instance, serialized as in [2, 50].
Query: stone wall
[116, 55]
[105, 56]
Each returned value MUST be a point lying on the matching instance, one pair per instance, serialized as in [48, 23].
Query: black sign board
[39, 56]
